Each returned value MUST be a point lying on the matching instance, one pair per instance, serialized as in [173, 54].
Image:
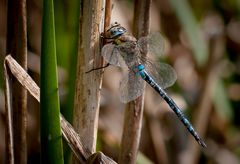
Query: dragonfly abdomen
[142, 72]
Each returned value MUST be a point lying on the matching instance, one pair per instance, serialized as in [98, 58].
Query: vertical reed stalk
[134, 110]
[87, 92]
[108, 11]
[17, 46]
[51, 139]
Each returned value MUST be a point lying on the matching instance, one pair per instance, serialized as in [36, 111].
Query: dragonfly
[124, 50]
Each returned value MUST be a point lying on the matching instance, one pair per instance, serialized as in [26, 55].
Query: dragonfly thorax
[130, 52]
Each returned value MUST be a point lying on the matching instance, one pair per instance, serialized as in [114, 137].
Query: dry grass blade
[22, 77]
[9, 130]
[68, 132]
[72, 137]
[99, 157]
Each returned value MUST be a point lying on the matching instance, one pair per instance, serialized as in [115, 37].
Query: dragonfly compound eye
[117, 31]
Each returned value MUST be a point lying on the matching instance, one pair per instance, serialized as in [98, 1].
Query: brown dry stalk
[87, 89]
[16, 44]
[134, 110]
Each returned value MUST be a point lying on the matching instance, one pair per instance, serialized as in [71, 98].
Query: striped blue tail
[171, 103]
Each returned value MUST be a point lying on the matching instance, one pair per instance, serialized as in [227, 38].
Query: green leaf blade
[51, 140]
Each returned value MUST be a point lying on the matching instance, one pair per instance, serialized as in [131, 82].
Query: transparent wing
[162, 73]
[131, 87]
[112, 55]
[153, 43]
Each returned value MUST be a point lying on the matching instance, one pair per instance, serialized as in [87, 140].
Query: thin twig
[9, 122]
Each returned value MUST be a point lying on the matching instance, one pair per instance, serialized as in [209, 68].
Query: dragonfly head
[114, 31]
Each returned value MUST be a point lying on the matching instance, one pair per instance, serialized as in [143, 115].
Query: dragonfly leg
[94, 69]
